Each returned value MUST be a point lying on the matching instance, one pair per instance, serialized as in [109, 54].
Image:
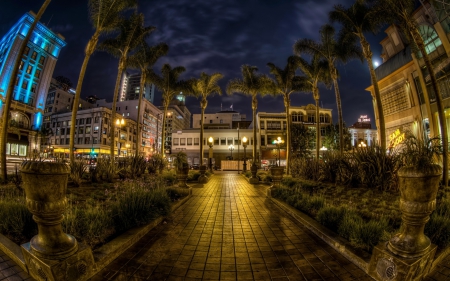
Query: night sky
[210, 36]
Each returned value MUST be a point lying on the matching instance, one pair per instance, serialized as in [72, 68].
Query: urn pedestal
[409, 253]
[277, 176]
[203, 178]
[254, 179]
[182, 174]
[51, 254]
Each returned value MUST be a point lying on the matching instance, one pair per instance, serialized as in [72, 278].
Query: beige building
[92, 138]
[221, 120]
[408, 101]
[273, 125]
[362, 134]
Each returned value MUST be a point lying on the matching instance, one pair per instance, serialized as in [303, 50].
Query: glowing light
[376, 64]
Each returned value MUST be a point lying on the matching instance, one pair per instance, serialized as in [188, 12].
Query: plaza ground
[228, 230]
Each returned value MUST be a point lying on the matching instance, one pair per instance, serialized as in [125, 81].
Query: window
[182, 141]
[236, 141]
[37, 74]
[104, 141]
[80, 140]
[58, 132]
[68, 131]
[96, 119]
[67, 140]
[175, 141]
[196, 141]
[223, 141]
[311, 118]
[87, 140]
[81, 121]
[189, 141]
[21, 65]
[26, 51]
[34, 55]
[96, 129]
[63, 131]
[29, 69]
[64, 123]
[221, 121]
[80, 130]
[57, 141]
[261, 125]
[322, 131]
[88, 130]
[95, 141]
[321, 118]
[33, 88]
[430, 38]
[263, 140]
[25, 84]
[216, 141]
[210, 121]
[230, 141]
[88, 120]
[41, 60]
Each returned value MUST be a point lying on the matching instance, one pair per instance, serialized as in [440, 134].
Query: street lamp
[210, 143]
[362, 144]
[231, 148]
[278, 143]
[127, 146]
[119, 122]
[244, 144]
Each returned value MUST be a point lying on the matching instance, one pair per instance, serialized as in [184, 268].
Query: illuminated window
[26, 51]
[41, 60]
[29, 69]
[430, 38]
[21, 65]
[25, 84]
[33, 88]
[34, 55]
[37, 74]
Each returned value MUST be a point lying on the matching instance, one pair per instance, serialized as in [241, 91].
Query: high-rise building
[32, 82]
[130, 87]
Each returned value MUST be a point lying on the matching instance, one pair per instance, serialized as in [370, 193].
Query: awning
[14, 138]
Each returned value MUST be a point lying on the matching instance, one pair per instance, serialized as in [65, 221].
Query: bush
[138, 207]
[438, 227]
[77, 170]
[90, 225]
[17, 222]
[247, 174]
[349, 223]
[331, 217]
[289, 181]
[193, 176]
[131, 167]
[369, 234]
[176, 193]
[156, 164]
[169, 177]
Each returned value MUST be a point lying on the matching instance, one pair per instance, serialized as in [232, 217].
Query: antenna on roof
[49, 20]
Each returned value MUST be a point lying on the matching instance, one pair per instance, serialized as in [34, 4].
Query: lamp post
[244, 144]
[278, 143]
[119, 122]
[231, 148]
[210, 143]
[127, 146]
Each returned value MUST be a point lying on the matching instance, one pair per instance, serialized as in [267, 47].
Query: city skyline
[210, 38]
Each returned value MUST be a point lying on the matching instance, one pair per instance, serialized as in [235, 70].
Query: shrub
[367, 235]
[247, 174]
[176, 193]
[438, 227]
[17, 222]
[169, 177]
[193, 175]
[156, 164]
[131, 167]
[331, 217]
[289, 181]
[330, 166]
[138, 207]
[77, 170]
[350, 221]
[91, 225]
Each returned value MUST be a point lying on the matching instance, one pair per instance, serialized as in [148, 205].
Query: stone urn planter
[418, 189]
[277, 175]
[182, 174]
[45, 185]
[254, 179]
[202, 178]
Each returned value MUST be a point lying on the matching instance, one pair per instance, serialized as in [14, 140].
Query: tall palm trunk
[368, 55]
[113, 109]
[339, 108]
[138, 130]
[163, 135]
[254, 107]
[203, 106]
[316, 98]
[90, 48]
[440, 108]
[10, 90]
[288, 131]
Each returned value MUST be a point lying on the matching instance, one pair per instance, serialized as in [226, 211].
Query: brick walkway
[229, 231]
[10, 271]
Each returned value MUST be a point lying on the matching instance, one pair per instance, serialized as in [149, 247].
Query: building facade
[408, 100]
[150, 122]
[273, 125]
[362, 134]
[32, 83]
[221, 120]
[92, 138]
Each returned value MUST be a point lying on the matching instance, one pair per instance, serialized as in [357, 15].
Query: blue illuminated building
[32, 82]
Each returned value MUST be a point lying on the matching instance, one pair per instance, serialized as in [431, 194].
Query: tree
[251, 84]
[105, 16]
[202, 88]
[144, 58]
[302, 141]
[332, 137]
[332, 51]
[170, 86]
[132, 34]
[357, 20]
[401, 12]
[316, 72]
[10, 90]
[286, 83]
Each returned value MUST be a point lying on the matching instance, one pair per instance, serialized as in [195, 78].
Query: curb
[359, 258]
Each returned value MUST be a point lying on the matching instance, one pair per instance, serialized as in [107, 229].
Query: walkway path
[229, 230]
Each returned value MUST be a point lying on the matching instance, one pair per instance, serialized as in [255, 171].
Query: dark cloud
[210, 36]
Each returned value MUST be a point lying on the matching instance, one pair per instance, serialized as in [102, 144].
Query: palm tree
[170, 86]
[144, 58]
[357, 20]
[400, 12]
[132, 33]
[105, 18]
[251, 84]
[10, 90]
[332, 51]
[285, 84]
[204, 87]
[316, 72]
